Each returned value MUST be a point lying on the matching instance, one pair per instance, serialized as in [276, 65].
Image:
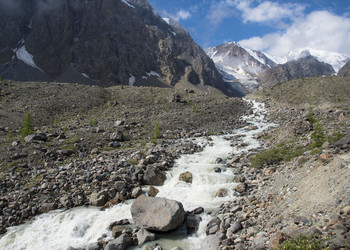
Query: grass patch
[92, 122]
[133, 162]
[336, 136]
[34, 182]
[281, 152]
[304, 243]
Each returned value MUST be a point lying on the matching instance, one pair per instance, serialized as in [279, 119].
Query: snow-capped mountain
[240, 65]
[244, 67]
[336, 60]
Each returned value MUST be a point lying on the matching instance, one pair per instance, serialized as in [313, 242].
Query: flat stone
[122, 242]
[35, 137]
[144, 236]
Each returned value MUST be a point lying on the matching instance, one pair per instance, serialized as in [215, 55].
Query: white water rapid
[81, 227]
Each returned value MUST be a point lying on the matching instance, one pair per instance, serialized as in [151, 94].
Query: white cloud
[183, 14]
[319, 30]
[265, 11]
[180, 15]
[218, 11]
[269, 11]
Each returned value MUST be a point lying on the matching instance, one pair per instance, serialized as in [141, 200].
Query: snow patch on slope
[254, 55]
[23, 55]
[85, 75]
[132, 80]
[152, 73]
[129, 4]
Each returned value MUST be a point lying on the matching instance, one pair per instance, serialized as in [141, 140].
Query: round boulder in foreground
[157, 214]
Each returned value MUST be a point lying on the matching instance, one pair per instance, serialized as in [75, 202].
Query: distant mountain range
[244, 69]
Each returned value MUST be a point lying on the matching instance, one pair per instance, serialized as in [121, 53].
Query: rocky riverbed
[96, 146]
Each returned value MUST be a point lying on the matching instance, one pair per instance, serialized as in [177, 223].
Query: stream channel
[81, 227]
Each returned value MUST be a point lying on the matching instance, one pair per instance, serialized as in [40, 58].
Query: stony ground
[93, 145]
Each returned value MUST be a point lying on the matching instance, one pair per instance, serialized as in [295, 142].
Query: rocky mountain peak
[240, 66]
[104, 42]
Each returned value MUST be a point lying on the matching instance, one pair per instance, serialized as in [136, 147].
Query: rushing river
[81, 227]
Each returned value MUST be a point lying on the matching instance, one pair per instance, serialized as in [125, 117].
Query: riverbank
[299, 184]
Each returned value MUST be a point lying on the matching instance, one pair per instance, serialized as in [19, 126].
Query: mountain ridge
[107, 42]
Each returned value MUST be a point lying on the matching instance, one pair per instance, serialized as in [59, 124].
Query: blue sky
[273, 26]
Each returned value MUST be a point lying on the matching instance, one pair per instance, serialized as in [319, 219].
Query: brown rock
[186, 177]
[152, 192]
[346, 210]
[241, 187]
[278, 239]
[222, 192]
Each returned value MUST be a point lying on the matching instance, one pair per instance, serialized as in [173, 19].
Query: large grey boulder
[157, 214]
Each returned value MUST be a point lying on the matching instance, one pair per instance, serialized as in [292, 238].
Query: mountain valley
[111, 114]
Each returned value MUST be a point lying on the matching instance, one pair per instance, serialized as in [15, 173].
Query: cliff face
[100, 41]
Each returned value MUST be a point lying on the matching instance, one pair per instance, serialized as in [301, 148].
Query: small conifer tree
[27, 126]
[156, 130]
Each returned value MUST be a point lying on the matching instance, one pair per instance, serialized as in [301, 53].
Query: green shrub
[303, 242]
[92, 122]
[318, 136]
[56, 123]
[9, 137]
[311, 116]
[27, 126]
[156, 130]
[194, 108]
